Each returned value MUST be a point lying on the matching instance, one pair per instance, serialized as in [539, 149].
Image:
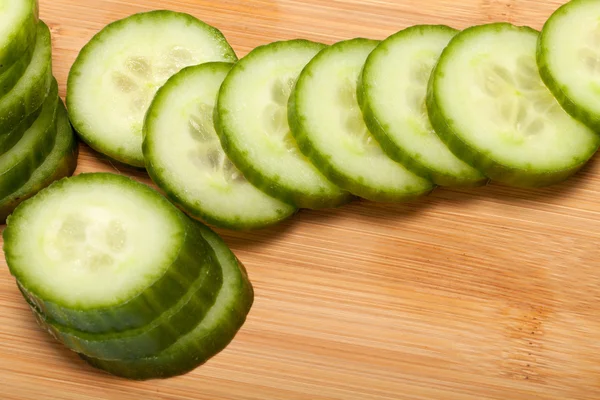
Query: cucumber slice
[327, 123]
[10, 77]
[252, 125]
[101, 252]
[18, 28]
[215, 332]
[60, 163]
[391, 95]
[568, 57]
[32, 88]
[8, 140]
[185, 159]
[18, 164]
[116, 75]
[488, 104]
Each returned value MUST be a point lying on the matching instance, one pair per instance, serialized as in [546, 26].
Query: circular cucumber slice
[185, 159]
[252, 124]
[327, 123]
[101, 252]
[487, 102]
[215, 332]
[568, 57]
[391, 95]
[18, 29]
[118, 72]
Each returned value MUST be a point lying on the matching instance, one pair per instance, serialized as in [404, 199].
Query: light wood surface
[489, 293]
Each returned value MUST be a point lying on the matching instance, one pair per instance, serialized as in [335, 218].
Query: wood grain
[489, 293]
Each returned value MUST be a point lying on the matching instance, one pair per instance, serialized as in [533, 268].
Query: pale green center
[359, 139]
[275, 114]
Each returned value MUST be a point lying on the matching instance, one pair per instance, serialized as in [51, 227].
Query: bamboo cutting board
[488, 293]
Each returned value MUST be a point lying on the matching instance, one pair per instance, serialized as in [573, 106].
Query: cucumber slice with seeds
[391, 95]
[18, 29]
[185, 159]
[568, 57]
[110, 253]
[505, 123]
[327, 123]
[116, 75]
[252, 124]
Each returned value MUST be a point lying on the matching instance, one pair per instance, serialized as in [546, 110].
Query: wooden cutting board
[488, 293]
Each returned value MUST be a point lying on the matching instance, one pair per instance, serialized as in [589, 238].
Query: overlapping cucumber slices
[118, 274]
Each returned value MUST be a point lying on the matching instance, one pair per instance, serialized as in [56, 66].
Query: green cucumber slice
[213, 334]
[18, 28]
[185, 159]
[568, 57]
[118, 72]
[101, 252]
[18, 164]
[251, 121]
[328, 126]
[8, 140]
[60, 163]
[10, 77]
[391, 95]
[487, 102]
[32, 88]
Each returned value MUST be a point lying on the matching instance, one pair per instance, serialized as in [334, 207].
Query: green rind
[79, 124]
[142, 307]
[8, 140]
[60, 163]
[33, 87]
[210, 337]
[561, 92]
[483, 161]
[157, 173]
[274, 186]
[393, 149]
[21, 38]
[10, 77]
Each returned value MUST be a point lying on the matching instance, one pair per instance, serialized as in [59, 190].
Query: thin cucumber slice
[252, 124]
[213, 334]
[487, 102]
[10, 77]
[18, 164]
[8, 140]
[568, 57]
[116, 75]
[327, 123]
[32, 88]
[18, 29]
[60, 163]
[185, 159]
[101, 252]
[391, 95]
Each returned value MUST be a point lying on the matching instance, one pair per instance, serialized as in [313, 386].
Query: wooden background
[489, 293]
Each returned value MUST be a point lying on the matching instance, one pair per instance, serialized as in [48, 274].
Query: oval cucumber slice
[252, 124]
[568, 57]
[327, 123]
[488, 104]
[185, 159]
[18, 29]
[101, 252]
[215, 332]
[391, 95]
[118, 72]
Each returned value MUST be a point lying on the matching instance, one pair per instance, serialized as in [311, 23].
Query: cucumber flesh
[487, 102]
[185, 159]
[568, 57]
[10, 77]
[391, 95]
[18, 29]
[328, 126]
[251, 121]
[101, 252]
[116, 75]
[60, 163]
[215, 332]
[8, 140]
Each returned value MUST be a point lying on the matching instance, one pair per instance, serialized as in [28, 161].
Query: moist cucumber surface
[329, 128]
[391, 95]
[101, 252]
[18, 28]
[568, 57]
[117, 73]
[251, 121]
[216, 330]
[185, 159]
[489, 105]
